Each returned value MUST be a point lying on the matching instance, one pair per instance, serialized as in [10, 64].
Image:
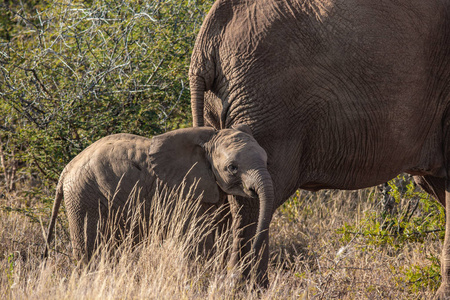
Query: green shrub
[418, 278]
[418, 218]
[74, 71]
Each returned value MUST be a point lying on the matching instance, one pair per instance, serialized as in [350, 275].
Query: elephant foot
[443, 293]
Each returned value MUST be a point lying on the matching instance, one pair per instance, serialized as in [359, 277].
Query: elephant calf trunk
[260, 246]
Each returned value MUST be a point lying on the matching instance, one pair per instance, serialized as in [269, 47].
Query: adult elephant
[341, 94]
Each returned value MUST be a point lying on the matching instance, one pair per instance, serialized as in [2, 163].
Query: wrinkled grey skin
[341, 94]
[102, 176]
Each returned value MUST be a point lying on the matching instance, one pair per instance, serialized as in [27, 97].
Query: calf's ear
[178, 156]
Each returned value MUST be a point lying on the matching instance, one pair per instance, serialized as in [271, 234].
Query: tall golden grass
[309, 260]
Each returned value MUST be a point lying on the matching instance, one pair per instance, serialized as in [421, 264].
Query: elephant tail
[56, 205]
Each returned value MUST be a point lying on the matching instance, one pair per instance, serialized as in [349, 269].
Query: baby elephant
[100, 179]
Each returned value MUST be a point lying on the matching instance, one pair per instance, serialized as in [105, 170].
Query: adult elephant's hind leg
[440, 189]
[444, 289]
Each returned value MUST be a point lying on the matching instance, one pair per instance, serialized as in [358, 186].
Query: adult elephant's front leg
[245, 213]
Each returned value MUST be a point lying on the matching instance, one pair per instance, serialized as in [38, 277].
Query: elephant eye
[232, 168]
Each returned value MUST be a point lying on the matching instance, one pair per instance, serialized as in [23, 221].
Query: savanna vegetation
[74, 71]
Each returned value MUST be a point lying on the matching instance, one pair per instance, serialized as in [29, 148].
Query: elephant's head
[228, 160]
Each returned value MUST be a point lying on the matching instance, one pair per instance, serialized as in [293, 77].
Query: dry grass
[309, 259]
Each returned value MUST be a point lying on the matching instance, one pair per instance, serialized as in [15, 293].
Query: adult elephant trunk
[261, 243]
[198, 88]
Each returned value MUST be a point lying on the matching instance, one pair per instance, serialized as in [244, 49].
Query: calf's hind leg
[85, 224]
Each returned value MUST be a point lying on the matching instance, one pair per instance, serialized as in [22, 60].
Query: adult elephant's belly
[360, 152]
